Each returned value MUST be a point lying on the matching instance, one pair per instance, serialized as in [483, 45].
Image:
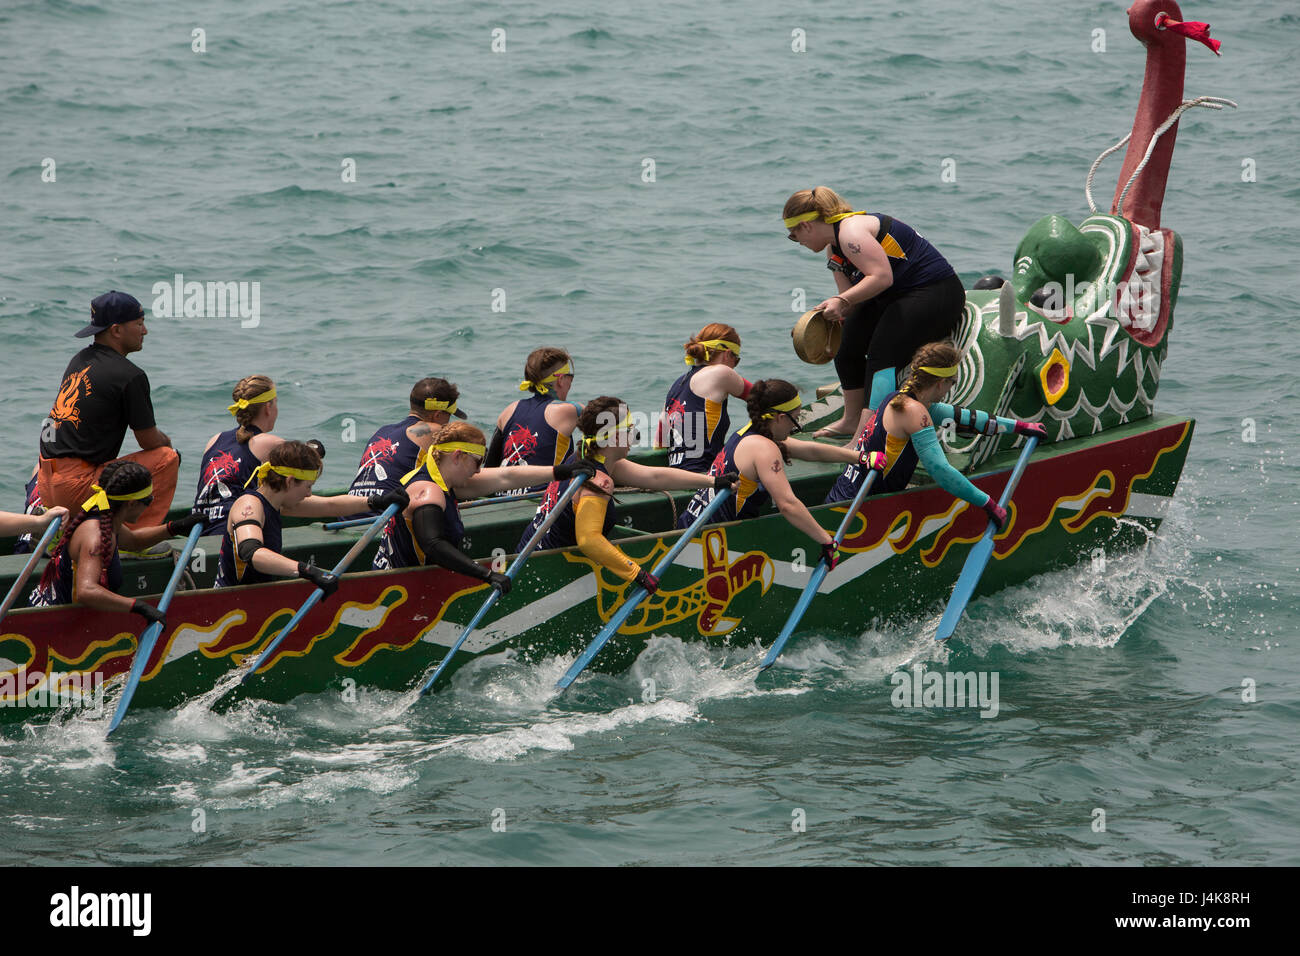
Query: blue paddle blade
[978, 558]
[810, 590]
[144, 650]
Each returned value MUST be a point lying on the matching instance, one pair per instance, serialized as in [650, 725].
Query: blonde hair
[823, 199]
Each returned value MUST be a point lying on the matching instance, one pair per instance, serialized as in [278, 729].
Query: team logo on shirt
[379, 450]
[519, 444]
[219, 471]
[74, 388]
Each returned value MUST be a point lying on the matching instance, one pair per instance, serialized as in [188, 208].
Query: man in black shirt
[101, 395]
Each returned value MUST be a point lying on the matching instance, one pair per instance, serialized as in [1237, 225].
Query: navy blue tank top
[748, 500]
[562, 534]
[397, 545]
[223, 472]
[60, 588]
[529, 439]
[232, 569]
[389, 455]
[900, 460]
[913, 261]
[27, 541]
[696, 427]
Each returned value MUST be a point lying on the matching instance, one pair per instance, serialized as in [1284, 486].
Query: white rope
[1208, 102]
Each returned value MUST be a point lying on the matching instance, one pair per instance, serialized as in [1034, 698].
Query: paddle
[819, 573]
[640, 593]
[979, 555]
[510, 573]
[479, 503]
[318, 593]
[39, 550]
[144, 649]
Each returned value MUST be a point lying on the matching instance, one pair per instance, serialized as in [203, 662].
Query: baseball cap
[110, 309]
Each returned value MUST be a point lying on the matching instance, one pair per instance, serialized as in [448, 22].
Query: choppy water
[522, 171]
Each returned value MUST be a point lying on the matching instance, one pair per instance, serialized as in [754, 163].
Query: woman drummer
[251, 545]
[759, 452]
[230, 457]
[588, 519]
[537, 430]
[86, 568]
[903, 432]
[430, 530]
[696, 422]
[895, 293]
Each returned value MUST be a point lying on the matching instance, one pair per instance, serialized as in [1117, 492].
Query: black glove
[579, 466]
[831, 555]
[148, 612]
[397, 496]
[183, 525]
[499, 581]
[325, 580]
[317, 447]
[647, 581]
[726, 481]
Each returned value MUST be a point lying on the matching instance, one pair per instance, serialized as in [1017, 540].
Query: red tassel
[1190, 29]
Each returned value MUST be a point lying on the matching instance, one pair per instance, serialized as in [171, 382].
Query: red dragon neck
[1162, 93]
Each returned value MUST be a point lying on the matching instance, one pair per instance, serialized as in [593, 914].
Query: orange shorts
[67, 481]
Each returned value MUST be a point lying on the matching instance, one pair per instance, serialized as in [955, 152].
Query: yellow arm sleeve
[589, 525]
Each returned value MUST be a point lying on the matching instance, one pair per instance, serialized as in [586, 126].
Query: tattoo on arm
[246, 511]
[776, 466]
[853, 247]
[419, 431]
[925, 420]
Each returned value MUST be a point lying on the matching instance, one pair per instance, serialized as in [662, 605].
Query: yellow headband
[540, 387]
[802, 217]
[948, 372]
[100, 499]
[438, 405]
[603, 435]
[789, 406]
[261, 471]
[713, 345]
[468, 448]
[810, 216]
[243, 403]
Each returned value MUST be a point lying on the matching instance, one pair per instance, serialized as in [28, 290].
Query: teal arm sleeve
[926, 443]
[970, 420]
[882, 383]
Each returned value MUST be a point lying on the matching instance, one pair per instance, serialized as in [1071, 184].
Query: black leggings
[886, 331]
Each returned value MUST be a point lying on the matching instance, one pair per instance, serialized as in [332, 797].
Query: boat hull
[735, 583]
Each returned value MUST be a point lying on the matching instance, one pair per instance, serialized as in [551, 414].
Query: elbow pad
[247, 548]
[926, 443]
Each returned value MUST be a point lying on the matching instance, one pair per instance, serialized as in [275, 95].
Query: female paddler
[587, 520]
[895, 293]
[537, 430]
[230, 457]
[430, 530]
[903, 431]
[759, 452]
[695, 422]
[250, 547]
[86, 568]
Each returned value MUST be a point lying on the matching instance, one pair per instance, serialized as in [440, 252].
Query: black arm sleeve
[429, 524]
[496, 451]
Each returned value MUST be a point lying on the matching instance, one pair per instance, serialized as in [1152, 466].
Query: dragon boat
[1074, 338]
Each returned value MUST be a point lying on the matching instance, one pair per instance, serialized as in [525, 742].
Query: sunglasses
[793, 421]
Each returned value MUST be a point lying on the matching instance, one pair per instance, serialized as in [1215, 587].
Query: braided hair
[936, 355]
[249, 387]
[764, 395]
[119, 477]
